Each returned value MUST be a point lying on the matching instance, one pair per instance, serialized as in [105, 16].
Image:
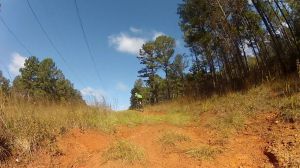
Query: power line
[14, 35]
[86, 41]
[44, 31]
[9, 75]
[7, 71]
[49, 39]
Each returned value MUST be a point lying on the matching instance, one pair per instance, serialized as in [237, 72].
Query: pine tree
[177, 75]
[27, 84]
[164, 50]
[149, 60]
[44, 80]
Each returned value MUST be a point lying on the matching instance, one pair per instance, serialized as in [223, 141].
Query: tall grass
[29, 126]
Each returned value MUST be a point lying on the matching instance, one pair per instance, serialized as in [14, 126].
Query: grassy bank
[27, 127]
[229, 112]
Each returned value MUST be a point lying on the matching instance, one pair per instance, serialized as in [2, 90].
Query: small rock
[276, 122]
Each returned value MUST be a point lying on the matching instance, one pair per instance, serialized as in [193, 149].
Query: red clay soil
[84, 149]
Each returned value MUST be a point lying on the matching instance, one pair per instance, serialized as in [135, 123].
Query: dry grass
[5, 149]
[30, 127]
[124, 151]
[290, 108]
[229, 112]
[171, 138]
[204, 152]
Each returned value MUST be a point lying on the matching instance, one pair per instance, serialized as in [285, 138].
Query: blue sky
[115, 30]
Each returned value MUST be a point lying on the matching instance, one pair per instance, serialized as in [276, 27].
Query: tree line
[40, 81]
[233, 44]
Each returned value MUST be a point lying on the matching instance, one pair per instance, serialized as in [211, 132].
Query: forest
[234, 45]
[40, 81]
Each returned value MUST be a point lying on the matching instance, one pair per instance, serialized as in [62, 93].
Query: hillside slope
[258, 128]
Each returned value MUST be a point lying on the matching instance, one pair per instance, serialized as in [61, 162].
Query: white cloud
[135, 30]
[131, 42]
[91, 94]
[126, 43]
[16, 63]
[122, 87]
[157, 34]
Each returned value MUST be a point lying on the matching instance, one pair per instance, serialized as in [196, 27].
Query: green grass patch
[124, 151]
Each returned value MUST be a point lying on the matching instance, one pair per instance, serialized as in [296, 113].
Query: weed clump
[204, 152]
[124, 151]
[290, 109]
[228, 123]
[171, 138]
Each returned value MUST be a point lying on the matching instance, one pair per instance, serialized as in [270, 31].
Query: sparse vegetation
[204, 152]
[124, 151]
[230, 111]
[170, 138]
[228, 122]
[290, 108]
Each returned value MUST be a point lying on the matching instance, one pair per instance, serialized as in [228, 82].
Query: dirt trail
[84, 149]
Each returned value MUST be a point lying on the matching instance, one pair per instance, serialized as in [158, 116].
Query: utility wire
[87, 42]
[14, 35]
[18, 40]
[9, 75]
[44, 31]
[7, 71]
[50, 41]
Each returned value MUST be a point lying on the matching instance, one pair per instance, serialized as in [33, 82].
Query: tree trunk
[277, 46]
